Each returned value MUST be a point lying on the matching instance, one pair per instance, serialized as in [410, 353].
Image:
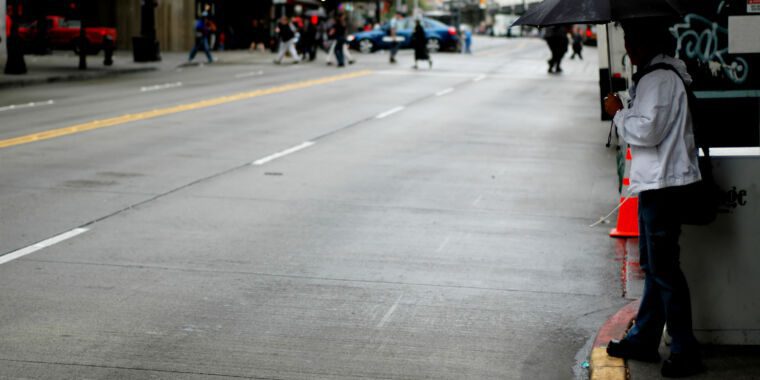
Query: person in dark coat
[258, 35]
[419, 43]
[308, 41]
[287, 33]
[556, 38]
[339, 33]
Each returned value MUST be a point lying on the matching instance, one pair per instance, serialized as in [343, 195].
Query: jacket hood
[678, 64]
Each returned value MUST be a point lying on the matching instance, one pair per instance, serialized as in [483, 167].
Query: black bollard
[82, 39]
[108, 50]
[15, 64]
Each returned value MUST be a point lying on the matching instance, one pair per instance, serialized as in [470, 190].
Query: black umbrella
[559, 12]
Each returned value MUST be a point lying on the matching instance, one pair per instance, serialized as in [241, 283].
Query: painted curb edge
[602, 366]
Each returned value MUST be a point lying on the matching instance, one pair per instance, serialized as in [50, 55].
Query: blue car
[439, 36]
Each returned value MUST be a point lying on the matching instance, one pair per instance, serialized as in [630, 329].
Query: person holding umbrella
[658, 127]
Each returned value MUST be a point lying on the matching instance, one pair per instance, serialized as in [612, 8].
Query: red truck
[63, 34]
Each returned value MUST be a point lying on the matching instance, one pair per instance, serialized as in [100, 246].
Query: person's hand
[612, 104]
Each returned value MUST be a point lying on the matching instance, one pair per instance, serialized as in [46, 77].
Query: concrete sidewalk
[63, 66]
[722, 362]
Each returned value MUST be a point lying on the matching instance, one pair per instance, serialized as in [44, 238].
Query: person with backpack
[287, 34]
[201, 38]
[658, 126]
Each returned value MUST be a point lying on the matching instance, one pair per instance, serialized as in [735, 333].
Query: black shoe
[682, 365]
[626, 350]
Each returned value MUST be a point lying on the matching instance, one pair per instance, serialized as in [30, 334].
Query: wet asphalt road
[415, 224]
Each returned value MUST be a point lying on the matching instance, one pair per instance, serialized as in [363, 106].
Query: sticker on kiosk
[753, 6]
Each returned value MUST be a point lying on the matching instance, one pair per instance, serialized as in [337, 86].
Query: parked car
[63, 34]
[439, 36]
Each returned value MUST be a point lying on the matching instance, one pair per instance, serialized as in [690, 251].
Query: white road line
[429, 74]
[251, 74]
[444, 244]
[444, 92]
[26, 105]
[534, 75]
[160, 87]
[389, 112]
[283, 153]
[43, 244]
[387, 316]
[475, 204]
[479, 78]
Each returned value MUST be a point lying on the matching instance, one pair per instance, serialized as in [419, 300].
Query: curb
[602, 366]
[23, 82]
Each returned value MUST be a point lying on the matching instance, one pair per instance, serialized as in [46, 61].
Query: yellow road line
[110, 122]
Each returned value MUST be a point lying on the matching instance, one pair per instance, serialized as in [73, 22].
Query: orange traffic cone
[628, 215]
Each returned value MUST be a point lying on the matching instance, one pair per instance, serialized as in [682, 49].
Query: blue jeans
[666, 296]
[394, 49]
[201, 43]
[339, 42]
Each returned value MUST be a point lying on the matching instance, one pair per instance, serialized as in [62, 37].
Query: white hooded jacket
[659, 129]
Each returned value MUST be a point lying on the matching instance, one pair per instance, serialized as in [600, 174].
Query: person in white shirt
[393, 33]
[659, 129]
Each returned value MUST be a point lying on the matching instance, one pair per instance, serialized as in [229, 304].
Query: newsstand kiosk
[722, 260]
[720, 43]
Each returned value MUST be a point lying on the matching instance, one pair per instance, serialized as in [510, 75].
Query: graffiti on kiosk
[699, 38]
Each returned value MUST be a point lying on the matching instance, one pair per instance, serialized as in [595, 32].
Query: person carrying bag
[665, 172]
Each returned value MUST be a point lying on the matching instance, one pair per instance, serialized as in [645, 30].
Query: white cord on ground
[604, 218]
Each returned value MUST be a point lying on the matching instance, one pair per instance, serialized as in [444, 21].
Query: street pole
[15, 64]
[82, 38]
[3, 9]
[146, 47]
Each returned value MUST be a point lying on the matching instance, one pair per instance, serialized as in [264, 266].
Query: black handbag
[702, 199]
